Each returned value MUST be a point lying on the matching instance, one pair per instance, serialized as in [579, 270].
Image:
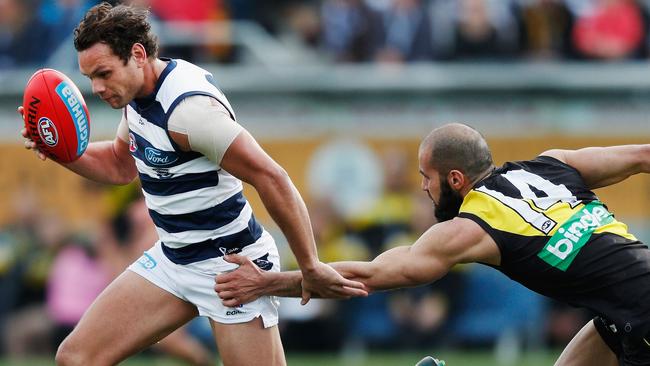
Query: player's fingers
[21, 111]
[231, 303]
[235, 258]
[222, 281]
[353, 284]
[306, 296]
[221, 287]
[353, 292]
[226, 294]
[218, 287]
[41, 155]
[23, 132]
[29, 144]
[345, 293]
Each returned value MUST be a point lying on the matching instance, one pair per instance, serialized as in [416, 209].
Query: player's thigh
[129, 315]
[249, 344]
[587, 348]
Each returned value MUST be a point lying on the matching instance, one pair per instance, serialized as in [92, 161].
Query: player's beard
[449, 203]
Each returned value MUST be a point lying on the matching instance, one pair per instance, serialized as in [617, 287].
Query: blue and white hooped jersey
[198, 208]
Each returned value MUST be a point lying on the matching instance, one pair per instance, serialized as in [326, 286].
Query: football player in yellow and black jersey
[537, 221]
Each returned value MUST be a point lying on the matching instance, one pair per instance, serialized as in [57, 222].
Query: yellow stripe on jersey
[503, 218]
[616, 227]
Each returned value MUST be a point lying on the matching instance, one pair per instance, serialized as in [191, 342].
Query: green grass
[453, 358]
[409, 359]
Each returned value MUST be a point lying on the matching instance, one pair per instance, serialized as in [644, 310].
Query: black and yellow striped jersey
[558, 239]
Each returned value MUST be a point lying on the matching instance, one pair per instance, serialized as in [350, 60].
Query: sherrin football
[56, 116]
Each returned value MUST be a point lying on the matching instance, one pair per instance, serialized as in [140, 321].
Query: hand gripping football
[56, 116]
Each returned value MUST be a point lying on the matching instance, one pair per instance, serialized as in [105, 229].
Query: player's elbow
[272, 177]
[636, 159]
[277, 174]
[413, 279]
[417, 276]
[644, 156]
[123, 181]
[124, 176]
[557, 154]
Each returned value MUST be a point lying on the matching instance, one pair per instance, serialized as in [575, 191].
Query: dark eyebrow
[96, 71]
[422, 173]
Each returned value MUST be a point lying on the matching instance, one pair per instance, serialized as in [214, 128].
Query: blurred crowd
[50, 272]
[393, 31]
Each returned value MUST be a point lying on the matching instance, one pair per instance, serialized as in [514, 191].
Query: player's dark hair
[119, 27]
[458, 146]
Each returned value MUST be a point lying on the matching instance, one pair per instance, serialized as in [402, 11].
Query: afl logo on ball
[47, 131]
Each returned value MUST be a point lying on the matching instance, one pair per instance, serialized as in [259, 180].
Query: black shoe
[430, 361]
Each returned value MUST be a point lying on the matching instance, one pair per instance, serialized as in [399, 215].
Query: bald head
[456, 146]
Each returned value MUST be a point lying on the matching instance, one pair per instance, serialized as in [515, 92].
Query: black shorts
[630, 351]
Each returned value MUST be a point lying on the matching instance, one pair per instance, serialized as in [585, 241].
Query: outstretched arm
[430, 258]
[202, 124]
[604, 166]
[108, 162]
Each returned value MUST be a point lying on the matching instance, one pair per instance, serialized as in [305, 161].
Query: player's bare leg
[183, 346]
[587, 348]
[248, 344]
[129, 315]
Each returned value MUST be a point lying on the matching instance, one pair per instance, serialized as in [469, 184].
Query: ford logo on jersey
[160, 158]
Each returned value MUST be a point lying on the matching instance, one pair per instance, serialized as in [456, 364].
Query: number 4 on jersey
[531, 208]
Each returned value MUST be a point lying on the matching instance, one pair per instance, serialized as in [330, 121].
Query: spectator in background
[610, 30]
[24, 39]
[68, 297]
[303, 20]
[480, 33]
[29, 329]
[406, 33]
[331, 233]
[202, 27]
[474, 29]
[61, 17]
[351, 30]
[212, 15]
[265, 13]
[16, 240]
[546, 29]
[391, 213]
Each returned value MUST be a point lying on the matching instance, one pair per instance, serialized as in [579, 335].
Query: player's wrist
[286, 284]
[310, 266]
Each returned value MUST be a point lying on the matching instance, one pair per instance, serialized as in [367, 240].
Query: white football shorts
[194, 282]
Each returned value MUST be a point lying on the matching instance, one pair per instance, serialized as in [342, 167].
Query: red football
[56, 116]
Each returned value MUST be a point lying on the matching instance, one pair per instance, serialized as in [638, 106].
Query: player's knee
[64, 357]
[68, 355]
[73, 352]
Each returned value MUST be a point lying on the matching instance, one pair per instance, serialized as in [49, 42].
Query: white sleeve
[207, 123]
[123, 129]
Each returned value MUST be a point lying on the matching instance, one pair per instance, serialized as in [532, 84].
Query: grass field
[375, 359]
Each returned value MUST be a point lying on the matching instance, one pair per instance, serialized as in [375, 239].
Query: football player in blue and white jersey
[179, 134]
